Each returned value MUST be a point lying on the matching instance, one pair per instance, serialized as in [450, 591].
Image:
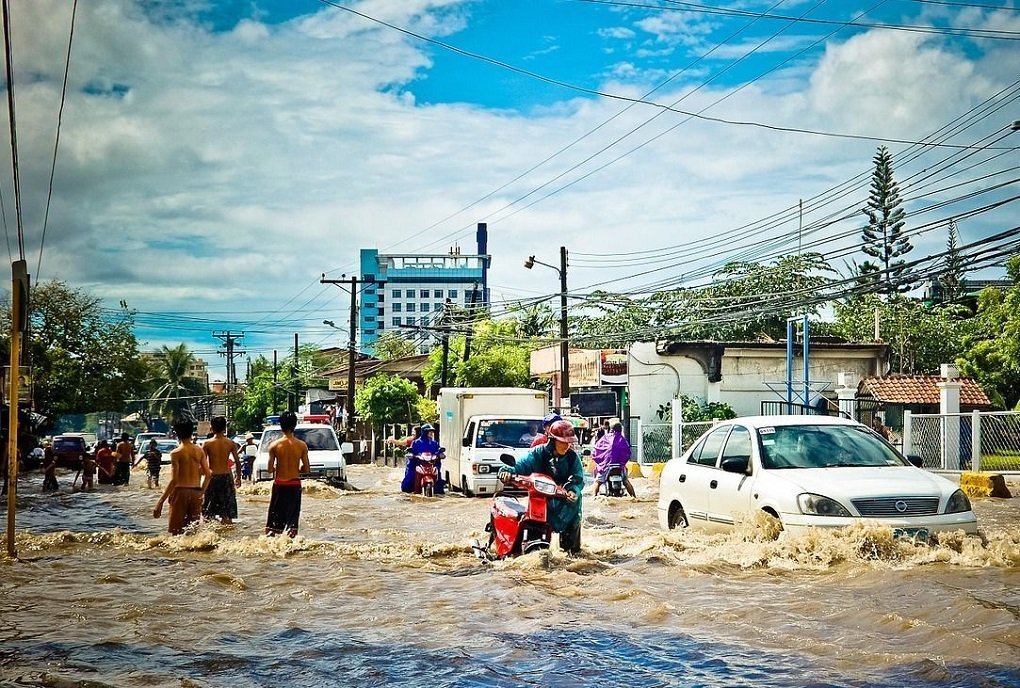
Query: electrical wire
[56, 142]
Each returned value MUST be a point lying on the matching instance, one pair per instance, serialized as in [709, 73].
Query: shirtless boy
[125, 452]
[220, 497]
[288, 459]
[188, 466]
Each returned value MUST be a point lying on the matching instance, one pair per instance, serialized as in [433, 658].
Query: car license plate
[918, 536]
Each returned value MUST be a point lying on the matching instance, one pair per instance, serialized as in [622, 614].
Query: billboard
[613, 367]
[595, 403]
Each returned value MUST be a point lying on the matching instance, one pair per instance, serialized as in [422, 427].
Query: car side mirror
[347, 448]
[466, 442]
[508, 459]
[915, 460]
[735, 464]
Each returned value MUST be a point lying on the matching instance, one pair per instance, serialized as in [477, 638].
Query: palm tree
[171, 374]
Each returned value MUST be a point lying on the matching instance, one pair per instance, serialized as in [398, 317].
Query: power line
[56, 142]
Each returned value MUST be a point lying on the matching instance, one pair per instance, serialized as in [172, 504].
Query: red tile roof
[920, 389]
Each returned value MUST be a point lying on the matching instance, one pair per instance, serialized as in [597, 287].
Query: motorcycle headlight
[545, 486]
[957, 503]
[817, 505]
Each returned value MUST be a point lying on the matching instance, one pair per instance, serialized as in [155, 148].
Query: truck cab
[485, 439]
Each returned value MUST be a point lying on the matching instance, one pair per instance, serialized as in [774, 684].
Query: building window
[424, 320]
[396, 293]
[395, 321]
[452, 293]
[423, 293]
[437, 294]
[382, 297]
[382, 324]
[369, 332]
[382, 312]
[410, 308]
[409, 321]
[396, 307]
[369, 318]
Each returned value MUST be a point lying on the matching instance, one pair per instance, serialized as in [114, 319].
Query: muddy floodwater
[382, 589]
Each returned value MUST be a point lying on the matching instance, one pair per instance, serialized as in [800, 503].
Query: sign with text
[24, 383]
[614, 367]
[337, 384]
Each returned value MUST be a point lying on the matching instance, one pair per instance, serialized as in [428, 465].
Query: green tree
[951, 279]
[386, 399]
[256, 402]
[883, 237]
[83, 357]
[503, 365]
[921, 337]
[391, 345]
[992, 352]
[174, 388]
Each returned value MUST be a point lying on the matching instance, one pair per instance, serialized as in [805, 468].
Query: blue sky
[223, 155]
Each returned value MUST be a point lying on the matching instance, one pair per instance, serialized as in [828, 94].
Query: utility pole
[293, 405]
[564, 344]
[19, 324]
[229, 339]
[471, 322]
[352, 286]
[445, 328]
[274, 381]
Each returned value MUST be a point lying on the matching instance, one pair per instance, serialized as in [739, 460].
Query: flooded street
[382, 589]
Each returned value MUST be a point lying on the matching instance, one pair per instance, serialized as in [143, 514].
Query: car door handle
[682, 478]
[714, 484]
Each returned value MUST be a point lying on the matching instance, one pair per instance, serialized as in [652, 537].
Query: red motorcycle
[426, 475]
[515, 528]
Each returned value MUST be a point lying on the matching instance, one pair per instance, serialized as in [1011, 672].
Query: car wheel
[773, 524]
[464, 487]
[677, 517]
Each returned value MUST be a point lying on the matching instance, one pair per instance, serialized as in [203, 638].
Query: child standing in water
[184, 491]
[153, 458]
[288, 459]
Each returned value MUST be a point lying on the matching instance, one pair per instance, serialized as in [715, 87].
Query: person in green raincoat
[557, 459]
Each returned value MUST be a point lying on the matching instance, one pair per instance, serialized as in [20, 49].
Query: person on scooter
[542, 438]
[612, 449]
[557, 459]
[426, 444]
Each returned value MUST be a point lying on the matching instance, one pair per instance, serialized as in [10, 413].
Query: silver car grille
[897, 506]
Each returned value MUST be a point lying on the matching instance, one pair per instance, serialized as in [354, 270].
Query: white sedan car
[325, 453]
[806, 471]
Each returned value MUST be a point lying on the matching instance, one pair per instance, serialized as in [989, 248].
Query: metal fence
[660, 442]
[988, 440]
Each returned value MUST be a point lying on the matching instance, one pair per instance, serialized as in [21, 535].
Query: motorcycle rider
[426, 444]
[612, 449]
[557, 459]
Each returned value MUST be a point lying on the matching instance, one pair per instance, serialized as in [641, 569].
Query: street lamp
[564, 344]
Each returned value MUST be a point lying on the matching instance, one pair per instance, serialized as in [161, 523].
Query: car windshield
[824, 446]
[507, 433]
[166, 446]
[68, 444]
[317, 439]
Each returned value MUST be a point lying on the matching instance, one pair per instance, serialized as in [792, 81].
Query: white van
[325, 453]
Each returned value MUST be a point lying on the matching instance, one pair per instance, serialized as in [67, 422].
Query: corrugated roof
[920, 389]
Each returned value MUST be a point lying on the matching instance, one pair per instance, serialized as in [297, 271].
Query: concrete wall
[655, 379]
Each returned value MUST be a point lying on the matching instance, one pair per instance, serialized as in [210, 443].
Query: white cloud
[616, 32]
[232, 169]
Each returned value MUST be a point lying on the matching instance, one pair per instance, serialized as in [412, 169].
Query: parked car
[141, 441]
[325, 454]
[807, 472]
[69, 450]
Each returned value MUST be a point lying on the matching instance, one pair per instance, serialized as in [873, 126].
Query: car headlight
[957, 503]
[817, 505]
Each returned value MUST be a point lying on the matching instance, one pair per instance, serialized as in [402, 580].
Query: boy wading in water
[188, 466]
[220, 497]
[288, 459]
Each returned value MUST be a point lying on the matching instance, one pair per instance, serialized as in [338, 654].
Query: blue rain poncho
[422, 445]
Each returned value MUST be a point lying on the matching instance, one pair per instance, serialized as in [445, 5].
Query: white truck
[478, 424]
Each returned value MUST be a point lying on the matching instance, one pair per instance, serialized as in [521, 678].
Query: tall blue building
[404, 292]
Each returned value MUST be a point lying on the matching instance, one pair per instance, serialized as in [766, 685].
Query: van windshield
[317, 439]
[507, 433]
[64, 444]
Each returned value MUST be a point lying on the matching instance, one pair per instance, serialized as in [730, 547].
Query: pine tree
[951, 279]
[883, 236]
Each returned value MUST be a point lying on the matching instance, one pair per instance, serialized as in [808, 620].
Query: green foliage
[391, 345]
[504, 365]
[696, 410]
[992, 354]
[82, 358]
[426, 411]
[883, 237]
[921, 337]
[951, 279]
[498, 358]
[170, 376]
[257, 400]
[386, 399]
